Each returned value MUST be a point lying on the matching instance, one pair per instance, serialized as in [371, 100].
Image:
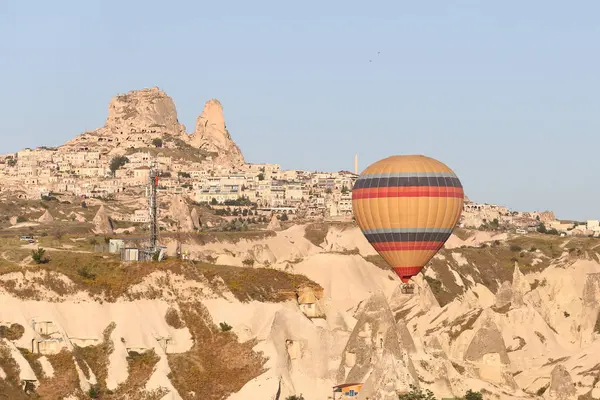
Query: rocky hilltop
[143, 110]
[136, 120]
[212, 135]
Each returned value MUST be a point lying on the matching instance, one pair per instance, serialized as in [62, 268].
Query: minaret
[356, 164]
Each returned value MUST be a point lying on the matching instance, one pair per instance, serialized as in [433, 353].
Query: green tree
[261, 177]
[214, 202]
[542, 228]
[344, 190]
[417, 394]
[470, 395]
[117, 162]
[39, 257]
[225, 327]
[157, 142]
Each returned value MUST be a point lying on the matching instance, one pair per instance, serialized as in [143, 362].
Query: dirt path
[34, 246]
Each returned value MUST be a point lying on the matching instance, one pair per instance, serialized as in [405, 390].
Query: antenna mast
[153, 207]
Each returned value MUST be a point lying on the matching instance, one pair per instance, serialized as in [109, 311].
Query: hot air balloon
[407, 207]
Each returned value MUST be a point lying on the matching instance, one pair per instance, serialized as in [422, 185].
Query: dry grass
[214, 355]
[96, 357]
[106, 277]
[65, 379]
[227, 237]
[464, 323]
[33, 360]
[378, 261]
[260, 284]
[183, 152]
[10, 388]
[462, 233]
[316, 233]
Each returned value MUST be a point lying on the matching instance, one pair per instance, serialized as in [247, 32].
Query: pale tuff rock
[406, 340]
[102, 222]
[561, 385]
[487, 352]
[520, 287]
[274, 224]
[504, 295]
[212, 136]
[373, 354]
[487, 340]
[46, 217]
[547, 216]
[195, 218]
[180, 213]
[427, 299]
[147, 109]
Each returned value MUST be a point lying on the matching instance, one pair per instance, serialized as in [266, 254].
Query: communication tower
[153, 208]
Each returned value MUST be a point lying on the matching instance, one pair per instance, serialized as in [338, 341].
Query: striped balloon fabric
[407, 207]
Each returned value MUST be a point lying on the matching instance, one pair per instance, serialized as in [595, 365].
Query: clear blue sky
[507, 93]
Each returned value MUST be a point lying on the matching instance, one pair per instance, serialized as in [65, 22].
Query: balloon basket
[408, 288]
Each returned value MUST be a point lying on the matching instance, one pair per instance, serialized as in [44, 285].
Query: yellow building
[347, 391]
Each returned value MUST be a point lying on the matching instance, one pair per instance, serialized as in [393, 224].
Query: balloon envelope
[407, 207]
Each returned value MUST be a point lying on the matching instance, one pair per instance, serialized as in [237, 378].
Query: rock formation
[212, 136]
[547, 216]
[180, 213]
[561, 384]
[102, 222]
[196, 218]
[504, 294]
[374, 354]
[143, 110]
[274, 224]
[46, 218]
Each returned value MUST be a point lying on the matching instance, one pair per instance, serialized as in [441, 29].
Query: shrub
[39, 257]
[173, 319]
[225, 327]
[417, 394]
[85, 273]
[117, 162]
[20, 219]
[157, 142]
[13, 332]
[94, 391]
[470, 395]
[515, 247]
[295, 397]
[248, 262]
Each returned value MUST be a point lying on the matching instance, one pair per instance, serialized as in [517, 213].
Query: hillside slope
[510, 316]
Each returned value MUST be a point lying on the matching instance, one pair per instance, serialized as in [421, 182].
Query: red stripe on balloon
[401, 246]
[405, 273]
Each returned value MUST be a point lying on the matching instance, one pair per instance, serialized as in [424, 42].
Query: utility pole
[153, 208]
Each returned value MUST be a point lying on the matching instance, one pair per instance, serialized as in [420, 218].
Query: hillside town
[142, 134]
[92, 174]
[99, 173]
